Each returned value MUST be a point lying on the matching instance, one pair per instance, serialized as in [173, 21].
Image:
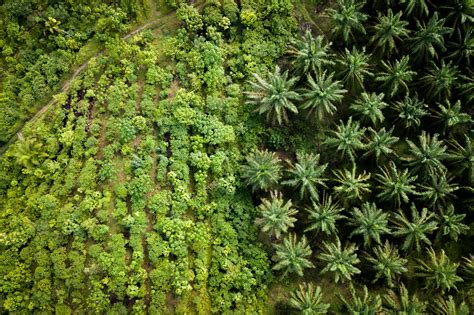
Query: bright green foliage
[389, 28]
[410, 111]
[347, 18]
[449, 307]
[308, 300]
[403, 304]
[29, 153]
[450, 223]
[306, 175]
[428, 156]
[395, 185]
[366, 304]
[369, 107]
[339, 261]
[438, 190]
[439, 81]
[275, 96]
[415, 230]
[351, 186]
[309, 54]
[321, 96]
[395, 76]
[380, 143]
[262, 171]
[276, 215]
[292, 255]
[387, 263]
[355, 68]
[346, 138]
[451, 116]
[370, 222]
[429, 37]
[324, 215]
[438, 272]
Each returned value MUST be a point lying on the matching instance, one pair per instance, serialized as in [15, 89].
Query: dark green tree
[369, 107]
[395, 76]
[370, 222]
[438, 271]
[346, 138]
[380, 143]
[395, 185]
[351, 186]
[387, 263]
[355, 68]
[347, 17]
[389, 30]
[324, 215]
[410, 111]
[308, 300]
[262, 171]
[339, 261]
[292, 255]
[276, 216]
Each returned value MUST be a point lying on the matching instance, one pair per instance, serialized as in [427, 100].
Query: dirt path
[78, 71]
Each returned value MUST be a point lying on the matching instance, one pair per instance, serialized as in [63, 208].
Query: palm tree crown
[308, 300]
[292, 255]
[439, 81]
[275, 96]
[387, 263]
[262, 171]
[346, 138]
[451, 223]
[340, 260]
[351, 185]
[323, 216]
[367, 304]
[380, 143]
[346, 17]
[395, 185]
[276, 216]
[462, 157]
[451, 115]
[355, 68]
[396, 76]
[371, 223]
[369, 107]
[410, 111]
[428, 37]
[403, 304]
[438, 271]
[438, 190]
[426, 158]
[389, 28]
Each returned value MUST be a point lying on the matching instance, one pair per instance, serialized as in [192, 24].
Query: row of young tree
[372, 178]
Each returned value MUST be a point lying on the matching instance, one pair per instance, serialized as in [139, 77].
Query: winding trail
[19, 133]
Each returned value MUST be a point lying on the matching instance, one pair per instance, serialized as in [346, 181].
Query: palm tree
[403, 304]
[451, 116]
[340, 261]
[346, 17]
[419, 7]
[439, 272]
[275, 96]
[306, 175]
[460, 11]
[439, 81]
[292, 255]
[346, 138]
[410, 111]
[396, 185]
[355, 68]
[426, 158]
[369, 107]
[462, 157]
[351, 186]
[387, 263]
[451, 223]
[462, 48]
[414, 231]
[438, 190]
[276, 216]
[263, 170]
[371, 223]
[396, 76]
[323, 216]
[310, 54]
[29, 153]
[362, 305]
[468, 270]
[388, 29]
[442, 306]
[308, 300]
[428, 37]
[380, 143]
[322, 95]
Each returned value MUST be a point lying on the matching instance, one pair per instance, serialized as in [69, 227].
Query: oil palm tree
[462, 157]
[451, 115]
[366, 304]
[438, 190]
[262, 171]
[438, 271]
[389, 29]
[395, 76]
[380, 143]
[308, 300]
[419, 7]
[402, 303]
[292, 255]
[439, 81]
[451, 223]
[460, 12]
[429, 37]
[442, 306]
[306, 175]
[395, 185]
[369, 107]
[322, 94]
[347, 17]
[274, 97]
[340, 261]
[387, 263]
[346, 138]
[370, 222]
[309, 54]
[415, 230]
[355, 67]
[428, 156]
[410, 111]
[461, 48]
[324, 215]
[351, 186]
[276, 216]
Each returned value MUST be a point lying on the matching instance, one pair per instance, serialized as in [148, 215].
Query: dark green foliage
[262, 170]
[292, 255]
[276, 215]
